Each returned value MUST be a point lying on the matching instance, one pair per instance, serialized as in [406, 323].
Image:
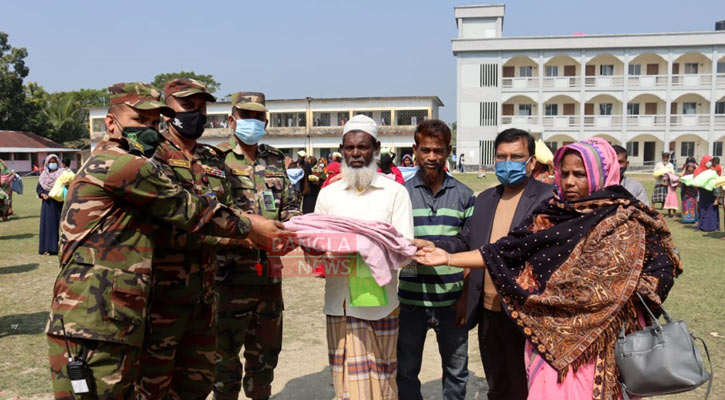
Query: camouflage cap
[253, 101]
[138, 95]
[184, 87]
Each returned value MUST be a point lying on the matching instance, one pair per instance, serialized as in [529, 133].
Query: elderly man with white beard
[362, 323]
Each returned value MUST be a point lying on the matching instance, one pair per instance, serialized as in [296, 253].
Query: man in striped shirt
[428, 295]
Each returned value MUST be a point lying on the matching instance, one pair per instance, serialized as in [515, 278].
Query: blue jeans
[452, 346]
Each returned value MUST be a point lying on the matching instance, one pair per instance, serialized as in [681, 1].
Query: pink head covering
[600, 161]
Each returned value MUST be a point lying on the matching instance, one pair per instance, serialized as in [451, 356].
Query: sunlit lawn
[26, 280]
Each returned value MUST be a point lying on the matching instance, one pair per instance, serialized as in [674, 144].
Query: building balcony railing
[520, 83]
[691, 80]
[647, 81]
[720, 81]
[561, 121]
[603, 121]
[720, 121]
[646, 121]
[519, 119]
[690, 121]
[604, 81]
[561, 82]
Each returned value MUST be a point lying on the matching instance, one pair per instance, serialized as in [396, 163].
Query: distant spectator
[407, 161]
[6, 192]
[389, 169]
[461, 167]
[633, 186]
[660, 191]
[66, 163]
[50, 209]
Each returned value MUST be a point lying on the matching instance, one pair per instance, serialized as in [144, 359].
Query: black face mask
[190, 123]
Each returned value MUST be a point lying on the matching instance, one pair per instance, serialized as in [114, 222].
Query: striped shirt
[435, 217]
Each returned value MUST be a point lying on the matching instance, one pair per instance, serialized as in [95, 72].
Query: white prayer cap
[363, 123]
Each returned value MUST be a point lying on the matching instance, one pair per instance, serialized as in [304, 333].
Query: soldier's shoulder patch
[180, 163]
[213, 151]
[215, 172]
[268, 150]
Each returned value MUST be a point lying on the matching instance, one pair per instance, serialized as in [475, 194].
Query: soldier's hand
[267, 234]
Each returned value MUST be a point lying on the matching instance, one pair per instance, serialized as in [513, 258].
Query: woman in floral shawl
[568, 275]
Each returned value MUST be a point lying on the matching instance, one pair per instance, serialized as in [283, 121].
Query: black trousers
[502, 351]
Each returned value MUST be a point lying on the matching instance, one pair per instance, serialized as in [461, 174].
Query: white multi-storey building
[649, 92]
[315, 124]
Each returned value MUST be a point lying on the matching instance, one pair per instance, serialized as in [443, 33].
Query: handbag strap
[707, 353]
[651, 314]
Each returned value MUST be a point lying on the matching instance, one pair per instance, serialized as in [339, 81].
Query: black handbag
[660, 359]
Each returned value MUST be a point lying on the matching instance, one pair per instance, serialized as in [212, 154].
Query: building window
[384, 118]
[632, 149]
[720, 107]
[606, 69]
[342, 118]
[288, 120]
[525, 109]
[552, 70]
[721, 67]
[552, 109]
[321, 119]
[690, 68]
[22, 156]
[489, 75]
[489, 113]
[552, 146]
[526, 71]
[689, 108]
[605, 109]
[717, 149]
[633, 109]
[411, 117]
[5, 156]
[687, 149]
[635, 69]
[98, 125]
[487, 152]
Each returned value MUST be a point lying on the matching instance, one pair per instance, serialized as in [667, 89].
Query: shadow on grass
[716, 234]
[23, 324]
[19, 236]
[308, 387]
[15, 269]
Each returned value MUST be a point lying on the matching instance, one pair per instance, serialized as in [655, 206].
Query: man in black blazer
[497, 211]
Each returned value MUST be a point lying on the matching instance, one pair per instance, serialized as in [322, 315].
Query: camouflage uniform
[250, 301]
[178, 356]
[115, 202]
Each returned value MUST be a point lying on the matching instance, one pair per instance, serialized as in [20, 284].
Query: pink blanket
[378, 243]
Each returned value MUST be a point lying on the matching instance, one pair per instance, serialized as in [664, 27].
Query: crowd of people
[702, 188]
[167, 287]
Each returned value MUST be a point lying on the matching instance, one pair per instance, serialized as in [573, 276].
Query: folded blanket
[378, 243]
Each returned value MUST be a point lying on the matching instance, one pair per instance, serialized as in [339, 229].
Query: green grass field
[26, 281]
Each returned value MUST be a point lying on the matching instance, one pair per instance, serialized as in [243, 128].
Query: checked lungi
[659, 194]
[363, 357]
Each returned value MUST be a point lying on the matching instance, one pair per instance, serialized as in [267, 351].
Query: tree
[208, 81]
[12, 93]
[65, 118]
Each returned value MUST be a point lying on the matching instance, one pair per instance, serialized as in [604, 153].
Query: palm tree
[64, 116]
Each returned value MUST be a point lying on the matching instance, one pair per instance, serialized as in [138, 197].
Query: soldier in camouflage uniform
[250, 297]
[178, 357]
[102, 290]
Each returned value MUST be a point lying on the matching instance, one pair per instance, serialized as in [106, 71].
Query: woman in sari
[50, 209]
[569, 274]
[671, 204]
[707, 212]
[688, 194]
[6, 191]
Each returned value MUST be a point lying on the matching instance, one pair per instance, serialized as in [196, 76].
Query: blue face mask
[52, 166]
[511, 173]
[250, 130]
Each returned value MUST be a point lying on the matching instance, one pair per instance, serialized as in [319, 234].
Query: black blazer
[476, 232]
